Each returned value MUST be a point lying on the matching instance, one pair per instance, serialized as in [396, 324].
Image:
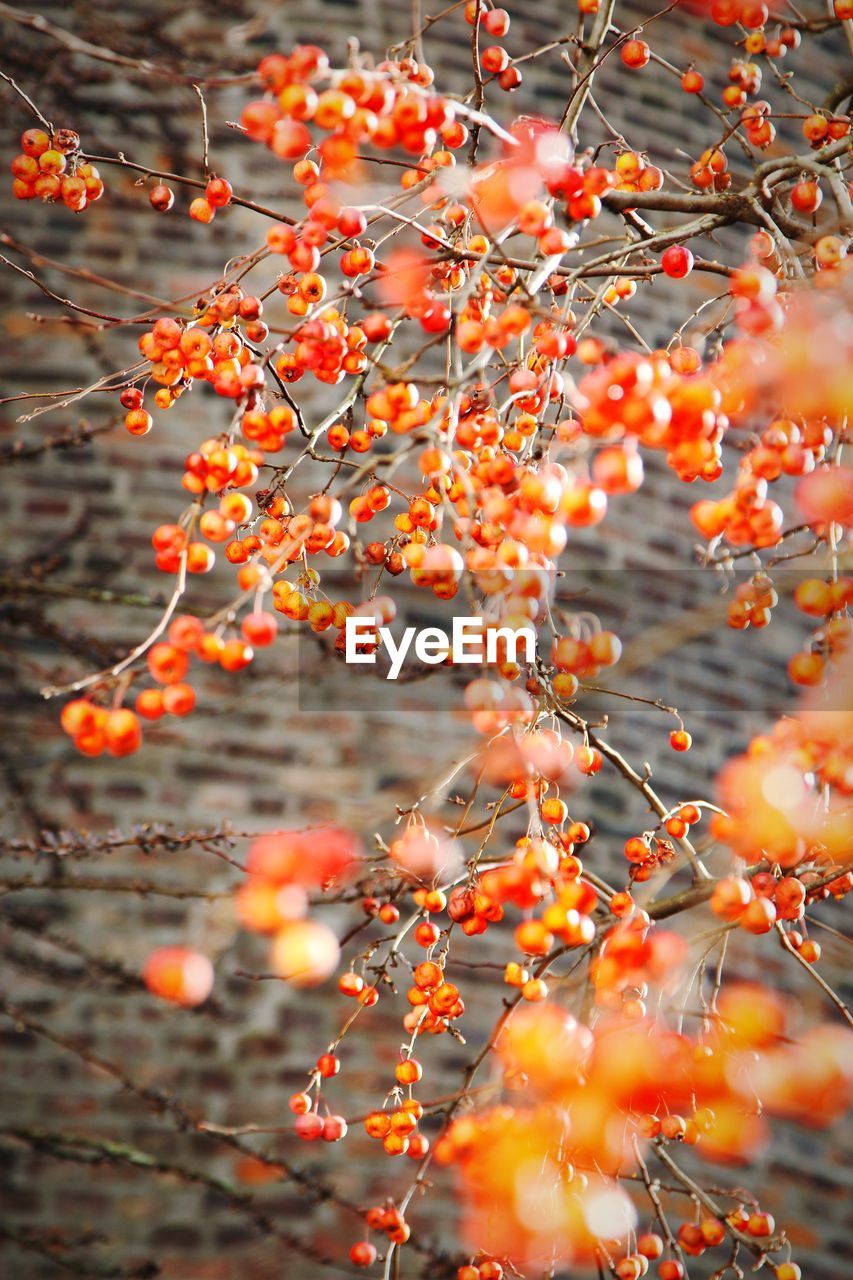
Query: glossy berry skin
[201, 210]
[138, 422]
[671, 1269]
[677, 261]
[759, 916]
[806, 197]
[49, 168]
[131, 398]
[218, 192]
[122, 732]
[650, 1245]
[362, 1253]
[259, 629]
[309, 1127]
[149, 704]
[334, 1128]
[351, 222]
[760, 1225]
[491, 1269]
[635, 54]
[496, 22]
[161, 198]
[34, 142]
[510, 79]
[179, 699]
[408, 1071]
[494, 59]
[637, 850]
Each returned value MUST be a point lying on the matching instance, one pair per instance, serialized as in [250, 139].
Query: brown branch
[479, 88]
[641, 783]
[164, 176]
[757, 1247]
[142, 66]
[187, 1121]
[839, 94]
[586, 67]
[71, 438]
[93, 966]
[205, 137]
[68, 591]
[52, 1247]
[813, 973]
[62, 1146]
[92, 277]
[148, 838]
[25, 884]
[653, 1191]
[66, 302]
[46, 125]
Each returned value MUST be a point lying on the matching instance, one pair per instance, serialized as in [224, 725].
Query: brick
[256, 751]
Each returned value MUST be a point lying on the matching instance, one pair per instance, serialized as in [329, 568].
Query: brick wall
[260, 752]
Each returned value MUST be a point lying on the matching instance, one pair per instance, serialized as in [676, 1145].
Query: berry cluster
[94, 729]
[809, 756]
[753, 603]
[273, 901]
[216, 348]
[647, 854]
[50, 168]
[827, 601]
[386, 1218]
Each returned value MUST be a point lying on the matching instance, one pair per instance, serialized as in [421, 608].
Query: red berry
[201, 210]
[494, 59]
[806, 197]
[309, 1127]
[362, 1254]
[635, 54]
[334, 1128]
[161, 198]
[496, 22]
[259, 629]
[677, 261]
[218, 192]
[670, 1269]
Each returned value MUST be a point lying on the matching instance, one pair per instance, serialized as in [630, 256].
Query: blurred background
[298, 738]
